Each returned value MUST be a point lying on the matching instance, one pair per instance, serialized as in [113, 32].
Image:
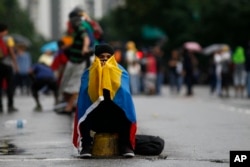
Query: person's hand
[85, 51]
[15, 68]
[104, 57]
[103, 62]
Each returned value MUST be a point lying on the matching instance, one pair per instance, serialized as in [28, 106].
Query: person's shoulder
[35, 65]
[85, 74]
[9, 41]
[122, 68]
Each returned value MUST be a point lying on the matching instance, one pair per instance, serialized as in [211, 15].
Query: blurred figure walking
[8, 66]
[133, 67]
[158, 53]
[24, 64]
[239, 71]
[189, 64]
[175, 72]
[218, 70]
[247, 65]
[78, 55]
[150, 74]
[42, 75]
[225, 71]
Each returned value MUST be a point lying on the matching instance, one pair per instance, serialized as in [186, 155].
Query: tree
[18, 22]
[207, 21]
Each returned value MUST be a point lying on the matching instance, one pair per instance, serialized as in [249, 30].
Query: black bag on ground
[148, 145]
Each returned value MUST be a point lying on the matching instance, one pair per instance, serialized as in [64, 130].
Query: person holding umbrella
[190, 63]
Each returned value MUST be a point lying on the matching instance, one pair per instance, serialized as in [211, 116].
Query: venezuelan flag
[112, 77]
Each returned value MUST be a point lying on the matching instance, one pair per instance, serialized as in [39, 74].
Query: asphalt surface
[198, 131]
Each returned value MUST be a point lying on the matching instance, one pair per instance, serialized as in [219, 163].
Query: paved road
[198, 131]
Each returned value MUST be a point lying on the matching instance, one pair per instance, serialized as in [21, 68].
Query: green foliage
[206, 21]
[19, 23]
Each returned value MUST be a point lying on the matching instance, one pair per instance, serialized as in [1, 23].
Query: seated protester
[105, 104]
[42, 75]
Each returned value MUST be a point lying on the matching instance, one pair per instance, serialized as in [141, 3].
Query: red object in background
[70, 29]
[3, 48]
[60, 59]
[151, 64]
[4, 85]
[139, 54]
[118, 55]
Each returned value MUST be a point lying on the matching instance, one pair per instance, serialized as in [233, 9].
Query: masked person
[78, 55]
[105, 104]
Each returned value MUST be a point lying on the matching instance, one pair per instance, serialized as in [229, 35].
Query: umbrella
[192, 46]
[20, 39]
[213, 48]
[50, 46]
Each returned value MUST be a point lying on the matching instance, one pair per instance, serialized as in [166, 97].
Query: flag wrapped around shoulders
[113, 77]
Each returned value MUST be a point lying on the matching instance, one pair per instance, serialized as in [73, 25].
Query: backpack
[98, 32]
[148, 145]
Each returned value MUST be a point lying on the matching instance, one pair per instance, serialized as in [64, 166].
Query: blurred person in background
[24, 63]
[212, 75]
[130, 53]
[59, 63]
[175, 72]
[47, 57]
[134, 71]
[158, 53]
[118, 54]
[218, 70]
[150, 73]
[133, 67]
[225, 71]
[247, 66]
[190, 62]
[8, 66]
[42, 75]
[239, 73]
[78, 55]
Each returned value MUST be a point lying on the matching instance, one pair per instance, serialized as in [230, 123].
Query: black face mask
[75, 22]
[76, 26]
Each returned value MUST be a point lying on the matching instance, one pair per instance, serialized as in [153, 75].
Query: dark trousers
[189, 84]
[38, 84]
[23, 82]
[6, 72]
[106, 118]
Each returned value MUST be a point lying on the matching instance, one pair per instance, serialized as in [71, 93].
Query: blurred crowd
[61, 63]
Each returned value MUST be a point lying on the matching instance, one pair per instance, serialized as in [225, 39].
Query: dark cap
[76, 12]
[75, 21]
[103, 48]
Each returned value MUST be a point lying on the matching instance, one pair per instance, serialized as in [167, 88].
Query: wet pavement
[198, 131]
